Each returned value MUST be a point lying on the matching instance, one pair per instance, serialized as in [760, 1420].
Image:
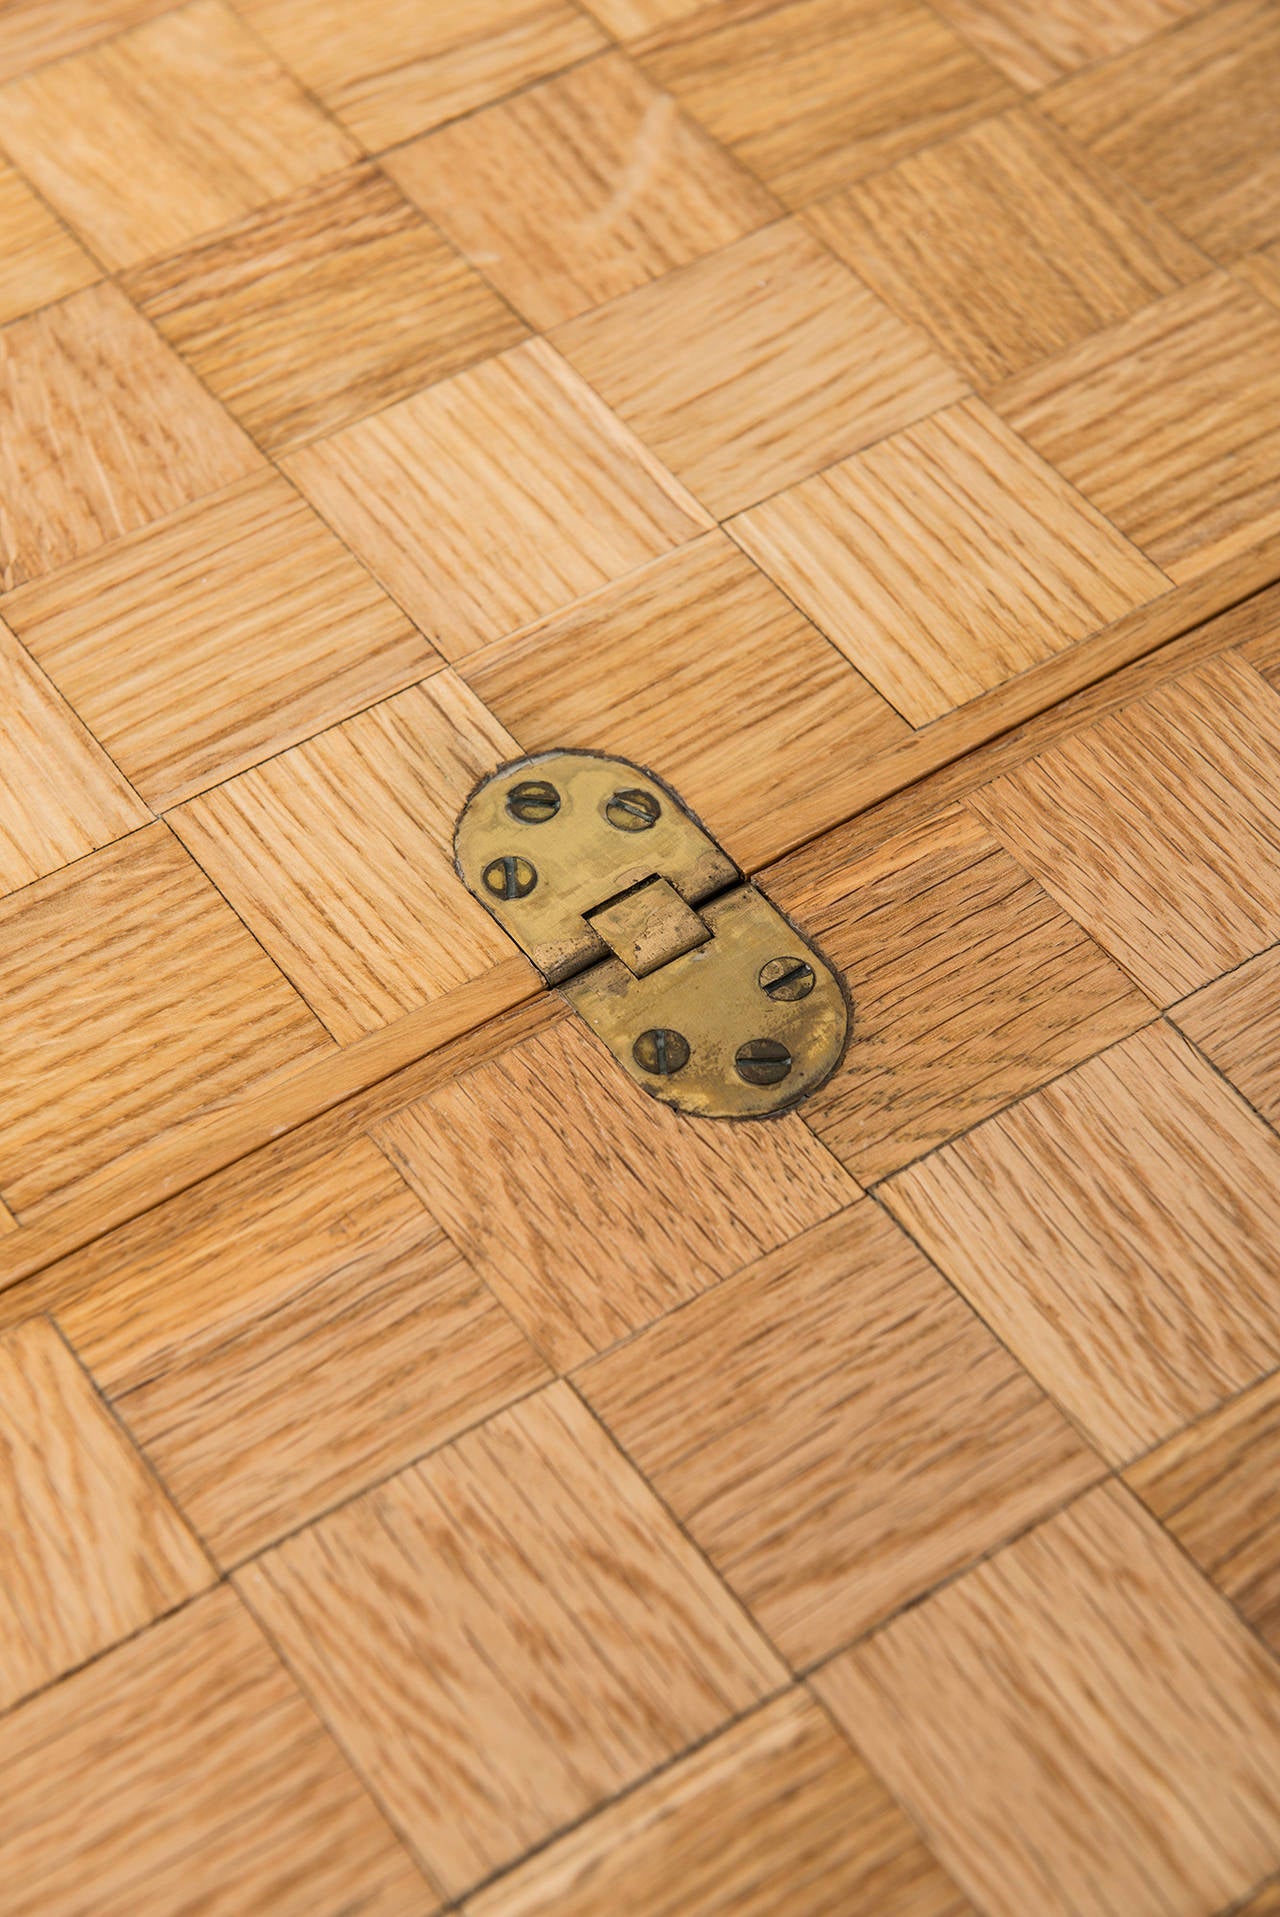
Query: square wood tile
[94, 1549]
[1196, 375]
[391, 71]
[580, 189]
[969, 986]
[815, 93]
[102, 429]
[1080, 1724]
[184, 124]
[186, 1764]
[338, 855]
[1236, 1023]
[60, 796]
[39, 260]
[947, 559]
[266, 1390]
[743, 724]
[1037, 45]
[508, 1634]
[1216, 1486]
[589, 1160]
[33, 32]
[217, 637]
[1007, 244]
[131, 997]
[837, 1431]
[329, 305]
[757, 366]
[1117, 1230]
[1189, 120]
[776, 1813]
[496, 497]
[1179, 877]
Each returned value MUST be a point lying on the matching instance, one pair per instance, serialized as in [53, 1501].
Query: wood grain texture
[217, 637]
[1036, 45]
[775, 1814]
[631, 19]
[102, 430]
[1089, 1677]
[1265, 1904]
[1262, 270]
[184, 124]
[1189, 119]
[132, 997]
[1007, 244]
[1216, 1486]
[748, 710]
[33, 32]
[60, 796]
[527, 1566]
[815, 93]
[327, 306]
[970, 987]
[535, 1161]
[581, 189]
[39, 260]
[339, 855]
[267, 1390]
[496, 497]
[947, 559]
[1197, 376]
[185, 1772]
[837, 1431]
[775, 362]
[1179, 877]
[1236, 1023]
[391, 71]
[93, 1548]
[1117, 1230]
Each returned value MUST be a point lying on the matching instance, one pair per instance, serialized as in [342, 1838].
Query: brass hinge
[700, 987]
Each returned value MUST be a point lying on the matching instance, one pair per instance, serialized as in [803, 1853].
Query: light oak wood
[33, 32]
[1265, 1904]
[535, 1161]
[775, 1814]
[629, 19]
[1080, 1725]
[496, 497]
[1236, 1023]
[947, 559]
[1117, 1230]
[775, 362]
[93, 1548]
[527, 1566]
[39, 260]
[837, 1431]
[185, 1772]
[1037, 45]
[172, 130]
[1262, 270]
[216, 637]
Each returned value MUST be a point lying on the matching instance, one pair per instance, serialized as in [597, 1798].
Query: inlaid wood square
[837, 1431]
[737, 722]
[1236, 1023]
[102, 429]
[1079, 1725]
[396, 69]
[1196, 376]
[496, 497]
[186, 1765]
[267, 1389]
[93, 1548]
[339, 855]
[1189, 119]
[774, 362]
[169, 131]
[1178, 876]
[329, 305]
[1007, 244]
[814, 93]
[508, 1634]
[130, 997]
[33, 32]
[775, 1814]
[39, 260]
[580, 189]
[947, 559]
[217, 637]
[586, 1160]
[1216, 1486]
[60, 796]
[1117, 1230]
[1037, 45]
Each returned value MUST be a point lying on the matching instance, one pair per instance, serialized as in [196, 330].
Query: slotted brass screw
[534, 801]
[661, 1051]
[510, 878]
[632, 811]
[763, 1061]
[787, 978]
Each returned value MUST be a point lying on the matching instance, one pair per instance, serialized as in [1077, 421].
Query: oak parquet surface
[39, 260]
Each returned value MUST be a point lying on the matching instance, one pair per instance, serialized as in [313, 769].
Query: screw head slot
[763, 1061]
[510, 877]
[632, 810]
[787, 979]
[534, 801]
[661, 1051]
